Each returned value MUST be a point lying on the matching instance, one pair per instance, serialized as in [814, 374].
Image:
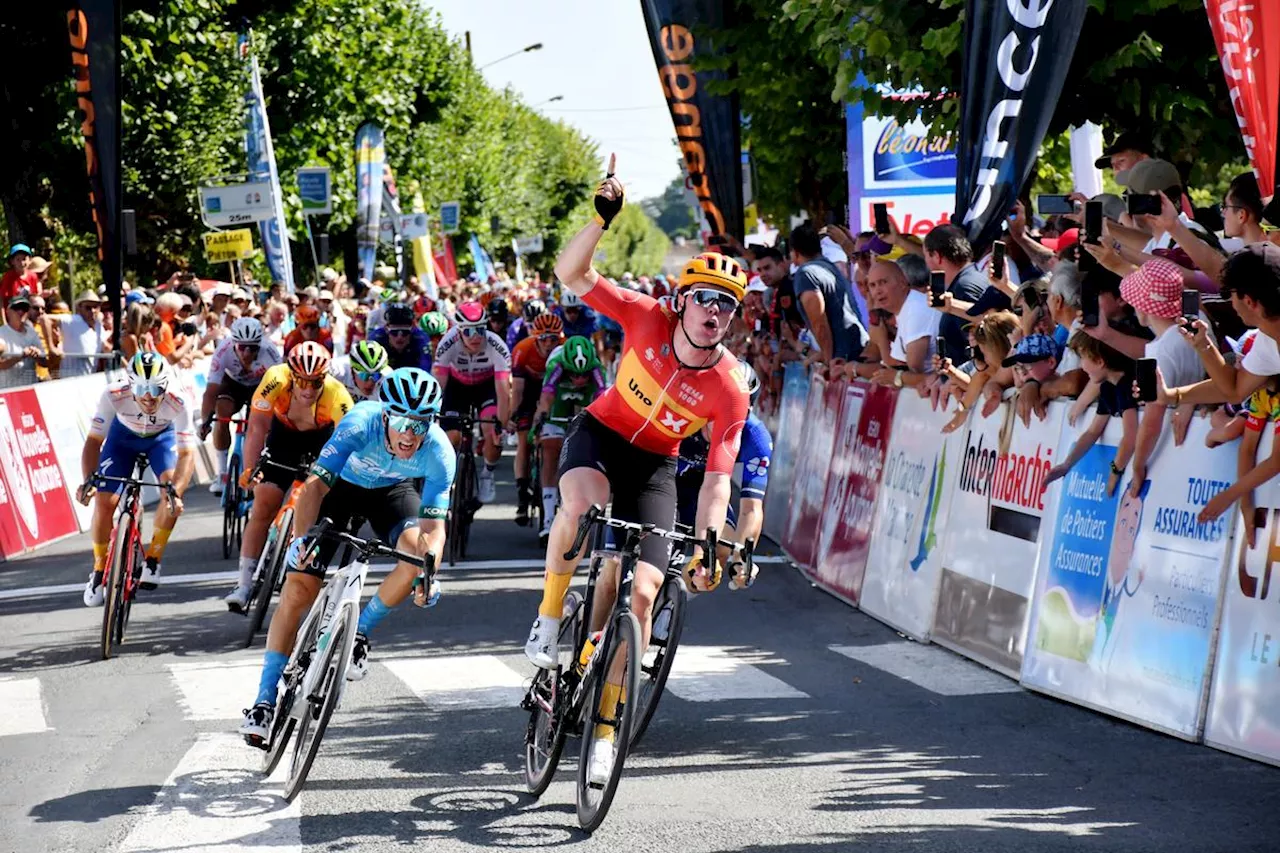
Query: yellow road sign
[221, 247]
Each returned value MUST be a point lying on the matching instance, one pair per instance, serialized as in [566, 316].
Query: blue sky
[596, 54]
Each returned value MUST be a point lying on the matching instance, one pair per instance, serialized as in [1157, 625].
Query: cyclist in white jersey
[139, 416]
[234, 372]
[474, 366]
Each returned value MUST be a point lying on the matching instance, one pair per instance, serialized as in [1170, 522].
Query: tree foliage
[633, 243]
[1148, 65]
[327, 66]
[671, 211]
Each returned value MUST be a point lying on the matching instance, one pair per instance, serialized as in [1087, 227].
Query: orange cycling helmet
[309, 360]
[547, 324]
[717, 270]
[306, 315]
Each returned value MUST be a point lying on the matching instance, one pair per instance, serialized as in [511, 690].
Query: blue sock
[273, 664]
[372, 615]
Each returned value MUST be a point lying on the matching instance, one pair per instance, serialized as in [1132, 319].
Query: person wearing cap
[1128, 246]
[221, 297]
[1124, 153]
[241, 298]
[1242, 213]
[83, 337]
[1034, 358]
[22, 348]
[18, 279]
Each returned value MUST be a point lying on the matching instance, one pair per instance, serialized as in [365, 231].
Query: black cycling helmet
[533, 308]
[397, 314]
[499, 310]
[753, 381]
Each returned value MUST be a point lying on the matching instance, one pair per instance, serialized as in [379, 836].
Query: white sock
[247, 565]
[222, 462]
[489, 466]
[549, 498]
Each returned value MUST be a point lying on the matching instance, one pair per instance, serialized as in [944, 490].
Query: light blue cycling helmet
[411, 392]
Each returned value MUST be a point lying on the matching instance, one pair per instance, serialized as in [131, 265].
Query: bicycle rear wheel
[315, 717]
[624, 641]
[460, 508]
[548, 725]
[114, 581]
[270, 566]
[658, 658]
[230, 506]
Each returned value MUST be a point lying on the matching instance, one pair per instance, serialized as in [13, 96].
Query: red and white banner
[1248, 36]
[35, 507]
[807, 504]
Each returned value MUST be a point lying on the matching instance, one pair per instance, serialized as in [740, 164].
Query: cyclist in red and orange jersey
[674, 378]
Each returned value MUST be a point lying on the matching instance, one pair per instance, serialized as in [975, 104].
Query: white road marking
[458, 682]
[931, 667]
[216, 690]
[216, 801]
[375, 569]
[21, 707]
[713, 673]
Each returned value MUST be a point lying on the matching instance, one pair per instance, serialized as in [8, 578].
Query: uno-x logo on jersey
[645, 395]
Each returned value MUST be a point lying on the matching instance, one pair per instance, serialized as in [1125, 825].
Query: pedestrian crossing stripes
[21, 707]
[713, 674]
[930, 667]
[456, 682]
[216, 801]
[216, 690]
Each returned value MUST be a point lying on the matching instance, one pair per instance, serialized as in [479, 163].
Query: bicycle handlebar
[170, 493]
[299, 472]
[710, 542]
[365, 547]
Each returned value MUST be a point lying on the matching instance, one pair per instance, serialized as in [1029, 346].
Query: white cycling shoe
[150, 574]
[215, 488]
[95, 592]
[485, 490]
[256, 727]
[601, 767]
[542, 648]
[238, 599]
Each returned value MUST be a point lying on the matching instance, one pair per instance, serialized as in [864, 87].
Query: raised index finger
[613, 163]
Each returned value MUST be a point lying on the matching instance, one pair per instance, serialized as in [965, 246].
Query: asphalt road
[793, 724]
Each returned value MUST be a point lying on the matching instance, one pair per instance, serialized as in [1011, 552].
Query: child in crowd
[994, 337]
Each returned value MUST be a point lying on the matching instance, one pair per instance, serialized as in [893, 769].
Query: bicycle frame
[238, 427]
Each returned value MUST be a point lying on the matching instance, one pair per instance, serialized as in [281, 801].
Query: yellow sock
[608, 708]
[553, 591]
[159, 540]
[100, 556]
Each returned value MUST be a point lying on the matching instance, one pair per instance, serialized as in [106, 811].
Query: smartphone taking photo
[880, 212]
[997, 259]
[1088, 303]
[1144, 372]
[1143, 205]
[937, 287]
[1190, 306]
[1054, 205]
[1093, 222]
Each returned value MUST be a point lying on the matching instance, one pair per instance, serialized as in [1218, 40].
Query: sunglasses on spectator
[368, 377]
[306, 382]
[705, 297]
[404, 423]
[473, 331]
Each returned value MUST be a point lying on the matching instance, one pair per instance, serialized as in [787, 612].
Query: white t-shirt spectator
[1263, 358]
[1070, 361]
[23, 372]
[1164, 239]
[79, 338]
[917, 319]
[1176, 358]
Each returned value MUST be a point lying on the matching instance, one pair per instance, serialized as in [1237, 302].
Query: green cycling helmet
[368, 357]
[388, 294]
[579, 356]
[433, 324]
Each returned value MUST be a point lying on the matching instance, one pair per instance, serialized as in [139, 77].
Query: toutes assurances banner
[93, 27]
[370, 159]
[1016, 57]
[707, 125]
[1248, 36]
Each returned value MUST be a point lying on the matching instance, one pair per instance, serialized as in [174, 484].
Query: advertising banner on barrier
[1244, 702]
[1124, 613]
[68, 406]
[34, 490]
[866, 420]
[812, 465]
[993, 537]
[911, 517]
[786, 450]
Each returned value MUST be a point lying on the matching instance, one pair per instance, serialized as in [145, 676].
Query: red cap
[1069, 238]
[1155, 288]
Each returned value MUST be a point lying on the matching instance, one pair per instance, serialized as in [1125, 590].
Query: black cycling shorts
[287, 447]
[688, 485]
[480, 400]
[643, 483]
[390, 511]
[523, 415]
[237, 392]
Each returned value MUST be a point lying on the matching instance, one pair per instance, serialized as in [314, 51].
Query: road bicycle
[539, 518]
[124, 572]
[315, 676]
[235, 499]
[463, 500]
[565, 700]
[268, 576]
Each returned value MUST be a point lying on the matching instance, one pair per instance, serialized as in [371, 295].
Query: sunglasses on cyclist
[705, 297]
[404, 423]
[549, 338]
[248, 349]
[306, 382]
[399, 333]
[142, 388]
[368, 377]
[473, 331]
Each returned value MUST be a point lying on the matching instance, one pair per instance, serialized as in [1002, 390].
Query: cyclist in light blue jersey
[366, 470]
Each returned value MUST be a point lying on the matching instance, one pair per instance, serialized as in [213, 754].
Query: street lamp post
[549, 101]
[532, 47]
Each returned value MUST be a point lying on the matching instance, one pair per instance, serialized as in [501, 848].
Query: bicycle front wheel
[460, 508]
[320, 705]
[544, 740]
[270, 565]
[118, 567]
[658, 658]
[623, 644]
[230, 506]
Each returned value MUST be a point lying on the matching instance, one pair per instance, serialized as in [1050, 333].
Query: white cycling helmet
[247, 331]
[569, 299]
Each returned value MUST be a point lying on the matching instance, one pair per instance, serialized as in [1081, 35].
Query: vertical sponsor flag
[423, 264]
[370, 160]
[480, 258]
[93, 27]
[391, 213]
[707, 125]
[1248, 37]
[1016, 58]
[262, 166]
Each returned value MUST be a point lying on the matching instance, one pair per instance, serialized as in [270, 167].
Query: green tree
[633, 243]
[671, 211]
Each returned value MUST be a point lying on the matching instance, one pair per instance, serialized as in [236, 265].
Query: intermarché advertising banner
[1128, 592]
[807, 505]
[906, 539]
[998, 507]
[1244, 703]
[786, 450]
